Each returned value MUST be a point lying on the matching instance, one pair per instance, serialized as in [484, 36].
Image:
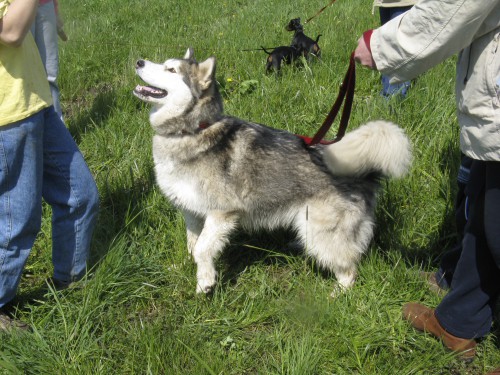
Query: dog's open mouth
[151, 91]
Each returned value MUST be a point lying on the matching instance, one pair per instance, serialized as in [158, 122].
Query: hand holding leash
[363, 53]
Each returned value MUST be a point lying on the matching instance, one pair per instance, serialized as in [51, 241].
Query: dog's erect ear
[189, 54]
[206, 72]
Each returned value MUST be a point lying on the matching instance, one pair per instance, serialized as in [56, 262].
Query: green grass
[137, 313]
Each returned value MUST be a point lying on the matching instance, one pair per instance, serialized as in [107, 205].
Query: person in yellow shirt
[38, 160]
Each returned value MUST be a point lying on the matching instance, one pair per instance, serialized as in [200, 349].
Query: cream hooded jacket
[393, 3]
[434, 30]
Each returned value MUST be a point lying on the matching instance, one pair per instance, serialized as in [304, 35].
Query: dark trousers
[387, 14]
[467, 310]
[449, 260]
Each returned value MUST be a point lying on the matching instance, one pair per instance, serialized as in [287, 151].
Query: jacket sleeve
[427, 34]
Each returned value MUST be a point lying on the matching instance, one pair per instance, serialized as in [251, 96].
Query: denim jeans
[401, 88]
[39, 159]
[44, 31]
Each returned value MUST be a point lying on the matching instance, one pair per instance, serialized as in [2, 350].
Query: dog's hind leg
[269, 64]
[213, 237]
[336, 239]
[194, 225]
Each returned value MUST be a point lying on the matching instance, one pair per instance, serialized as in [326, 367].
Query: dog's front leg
[214, 236]
[194, 225]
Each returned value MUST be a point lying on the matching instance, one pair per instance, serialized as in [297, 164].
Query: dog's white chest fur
[182, 191]
[182, 188]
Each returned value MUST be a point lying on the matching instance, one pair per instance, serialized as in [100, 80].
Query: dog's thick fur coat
[225, 173]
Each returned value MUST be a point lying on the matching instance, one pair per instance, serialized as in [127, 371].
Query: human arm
[427, 34]
[16, 22]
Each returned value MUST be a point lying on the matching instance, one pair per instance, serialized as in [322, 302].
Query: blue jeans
[39, 159]
[401, 88]
[44, 31]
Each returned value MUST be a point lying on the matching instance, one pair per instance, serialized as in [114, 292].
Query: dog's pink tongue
[145, 89]
[150, 89]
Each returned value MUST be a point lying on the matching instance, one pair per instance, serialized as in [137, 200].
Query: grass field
[137, 312]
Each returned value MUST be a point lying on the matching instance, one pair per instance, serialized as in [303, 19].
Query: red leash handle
[346, 92]
[319, 12]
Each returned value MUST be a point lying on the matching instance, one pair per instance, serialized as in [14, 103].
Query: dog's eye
[171, 70]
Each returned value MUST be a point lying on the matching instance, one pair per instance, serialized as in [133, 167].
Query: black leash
[258, 49]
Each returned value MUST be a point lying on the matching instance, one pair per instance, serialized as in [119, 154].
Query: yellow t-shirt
[24, 89]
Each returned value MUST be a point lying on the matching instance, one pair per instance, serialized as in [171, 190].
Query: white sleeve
[430, 32]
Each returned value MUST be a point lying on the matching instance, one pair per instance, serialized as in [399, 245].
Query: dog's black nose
[140, 64]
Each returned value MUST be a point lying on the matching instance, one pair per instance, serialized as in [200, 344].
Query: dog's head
[176, 86]
[294, 25]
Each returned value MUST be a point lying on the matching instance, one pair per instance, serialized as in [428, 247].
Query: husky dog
[225, 173]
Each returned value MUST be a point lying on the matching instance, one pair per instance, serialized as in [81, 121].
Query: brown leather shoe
[423, 319]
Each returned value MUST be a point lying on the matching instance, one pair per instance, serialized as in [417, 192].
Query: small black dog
[278, 55]
[301, 41]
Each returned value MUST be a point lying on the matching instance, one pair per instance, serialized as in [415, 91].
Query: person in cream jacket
[430, 32]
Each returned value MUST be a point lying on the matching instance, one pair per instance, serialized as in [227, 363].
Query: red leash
[346, 92]
[319, 12]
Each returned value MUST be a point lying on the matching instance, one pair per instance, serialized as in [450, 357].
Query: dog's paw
[206, 282]
[338, 290]
[345, 280]
[204, 287]
[206, 277]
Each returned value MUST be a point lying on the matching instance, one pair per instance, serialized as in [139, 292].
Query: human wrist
[363, 53]
[367, 36]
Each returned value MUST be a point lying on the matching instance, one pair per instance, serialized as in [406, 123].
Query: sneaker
[57, 285]
[8, 323]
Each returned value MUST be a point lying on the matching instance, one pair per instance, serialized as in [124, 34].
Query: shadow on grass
[121, 211]
[443, 239]
[278, 247]
[85, 115]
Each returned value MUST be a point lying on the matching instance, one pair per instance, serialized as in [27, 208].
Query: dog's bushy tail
[378, 146]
